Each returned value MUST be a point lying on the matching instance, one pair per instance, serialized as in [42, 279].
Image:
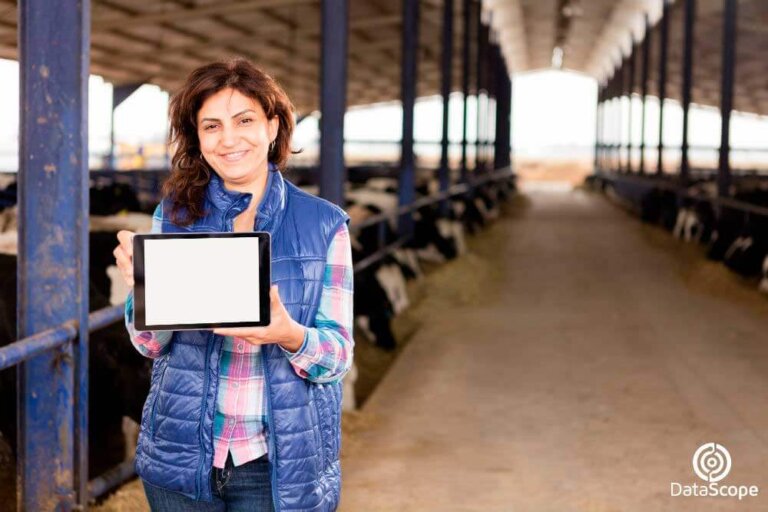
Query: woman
[248, 418]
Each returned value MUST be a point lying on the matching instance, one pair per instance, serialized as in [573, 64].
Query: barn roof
[159, 42]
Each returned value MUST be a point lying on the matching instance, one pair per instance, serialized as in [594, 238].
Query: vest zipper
[271, 445]
[154, 401]
[208, 351]
[154, 404]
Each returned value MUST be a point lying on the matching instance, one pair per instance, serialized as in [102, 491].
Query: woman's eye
[246, 120]
[209, 127]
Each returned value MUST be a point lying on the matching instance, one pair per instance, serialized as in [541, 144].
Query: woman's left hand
[282, 329]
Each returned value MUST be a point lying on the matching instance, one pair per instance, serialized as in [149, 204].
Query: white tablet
[201, 280]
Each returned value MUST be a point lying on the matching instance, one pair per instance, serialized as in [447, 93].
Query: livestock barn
[545, 332]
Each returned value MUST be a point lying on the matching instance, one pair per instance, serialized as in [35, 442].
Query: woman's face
[234, 136]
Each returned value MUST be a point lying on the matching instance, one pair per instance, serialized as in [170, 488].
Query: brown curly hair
[190, 174]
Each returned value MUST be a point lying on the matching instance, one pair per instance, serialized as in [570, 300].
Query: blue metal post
[598, 113]
[687, 84]
[445, 89]
[511, 110]
[479, 88]
[490, 106]
[501, 157]
[646, 48]
[120, 93]
[622, 79]
[726, 96]
[663, 56]
[407, 180]
[630, 91]
[333, 99]
[54, 42]
[465, 55]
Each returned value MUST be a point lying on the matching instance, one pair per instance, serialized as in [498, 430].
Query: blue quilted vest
[175, 449]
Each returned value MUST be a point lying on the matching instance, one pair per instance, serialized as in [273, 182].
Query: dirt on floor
[571, 171]
[610, 351]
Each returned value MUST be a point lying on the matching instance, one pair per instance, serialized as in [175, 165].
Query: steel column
[511, 139]
[465, 55]
[490, 106]
[444, 175]
[333, 99]
[410, 46]
[479, 87]
[489, 99]
[663, 55]
[502, 149]
[613, 115]
[688, 20]
[609, 130]
[620, 89]
[646, 47]
[726, 96]
[630, 89]
[54, 44]
[120, 93]
[619, 92]
[598, 103]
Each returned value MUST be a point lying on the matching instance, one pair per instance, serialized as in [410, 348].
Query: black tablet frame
[265, 280]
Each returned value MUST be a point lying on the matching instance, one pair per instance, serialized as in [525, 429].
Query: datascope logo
[712, 463]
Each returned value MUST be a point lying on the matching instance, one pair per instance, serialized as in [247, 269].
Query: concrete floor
[574, 361]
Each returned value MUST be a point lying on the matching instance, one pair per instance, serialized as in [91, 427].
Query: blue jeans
[235, 489]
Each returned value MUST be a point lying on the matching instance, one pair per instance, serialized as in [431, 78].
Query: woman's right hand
[124, 255]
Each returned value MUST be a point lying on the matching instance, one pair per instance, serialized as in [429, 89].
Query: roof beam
[204, 11]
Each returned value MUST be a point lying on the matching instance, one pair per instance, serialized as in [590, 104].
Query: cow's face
[235, 135]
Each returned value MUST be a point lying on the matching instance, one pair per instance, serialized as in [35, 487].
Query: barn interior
[569, 346]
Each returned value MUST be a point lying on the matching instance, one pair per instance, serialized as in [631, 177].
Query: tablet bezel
[265, 280]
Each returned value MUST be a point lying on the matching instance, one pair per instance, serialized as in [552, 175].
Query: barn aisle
[573, 362]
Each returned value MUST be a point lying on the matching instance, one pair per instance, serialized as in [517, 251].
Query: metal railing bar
[379, 254]
[106, 316]
[31, 346]
[674, 186]
[453, 191]
[111, 478]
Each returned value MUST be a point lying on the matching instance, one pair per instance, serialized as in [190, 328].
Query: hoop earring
[271, 146]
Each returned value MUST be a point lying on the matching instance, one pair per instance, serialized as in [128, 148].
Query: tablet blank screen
[201, 280]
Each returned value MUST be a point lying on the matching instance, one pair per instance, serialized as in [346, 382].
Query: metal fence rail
[675, 186]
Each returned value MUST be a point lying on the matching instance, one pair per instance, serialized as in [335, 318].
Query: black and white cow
[738, 239]
[696, 218]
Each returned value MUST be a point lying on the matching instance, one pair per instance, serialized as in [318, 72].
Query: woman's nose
[228, 137]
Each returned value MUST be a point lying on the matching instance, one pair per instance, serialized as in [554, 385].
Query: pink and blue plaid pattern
[325, 356]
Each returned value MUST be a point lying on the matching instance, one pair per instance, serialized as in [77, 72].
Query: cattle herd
[119, 376]
[734, 232]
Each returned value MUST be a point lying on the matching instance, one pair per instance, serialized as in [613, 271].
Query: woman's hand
[282, 329]
[124, 255]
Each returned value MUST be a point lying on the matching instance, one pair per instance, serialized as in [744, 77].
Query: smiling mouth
[235, 156]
